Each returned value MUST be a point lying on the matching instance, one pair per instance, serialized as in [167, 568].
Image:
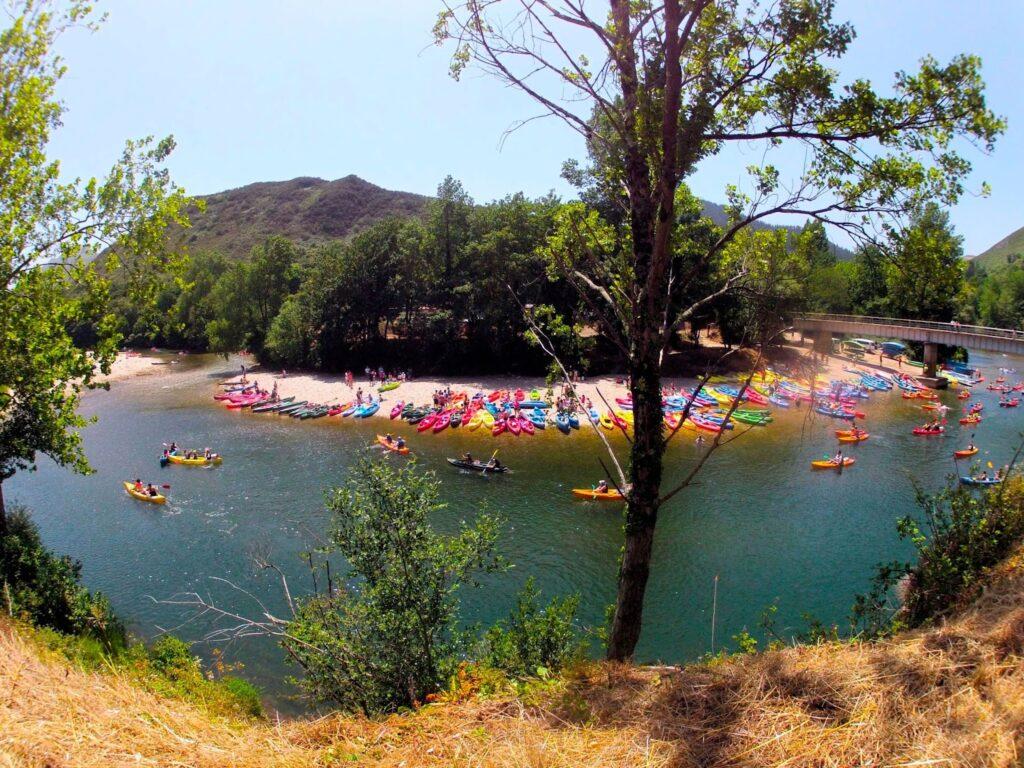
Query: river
[759, 519]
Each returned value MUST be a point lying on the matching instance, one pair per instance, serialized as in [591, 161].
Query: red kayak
[494, 396]
[498, 428]
[755, 397]
[526, 426]
[512, 424]
[394, 411]
[442, 421]
[520, 395]
[427, 422]
[923, 431]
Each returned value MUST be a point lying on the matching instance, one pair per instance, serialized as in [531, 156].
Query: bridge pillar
[931, 359]
[823, 342]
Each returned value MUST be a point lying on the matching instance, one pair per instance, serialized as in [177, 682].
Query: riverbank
[951, 695]
[317, 387]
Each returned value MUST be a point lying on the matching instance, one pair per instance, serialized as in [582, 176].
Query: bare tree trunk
[3, 512]
[642, 504]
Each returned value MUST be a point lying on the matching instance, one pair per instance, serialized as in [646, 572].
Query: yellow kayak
[130, 488]
[861, 436]
[199, 462]
[848, 461]
[589, 493]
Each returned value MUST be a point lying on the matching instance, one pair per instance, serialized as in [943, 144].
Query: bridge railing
[978, 330]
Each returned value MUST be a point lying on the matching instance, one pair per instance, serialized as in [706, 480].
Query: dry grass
[950, 696]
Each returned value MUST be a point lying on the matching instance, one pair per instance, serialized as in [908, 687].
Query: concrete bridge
[821, 327]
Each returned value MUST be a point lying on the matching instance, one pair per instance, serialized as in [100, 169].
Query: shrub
[388, 638]
[43, 589]
[534, 640]
[960, 536]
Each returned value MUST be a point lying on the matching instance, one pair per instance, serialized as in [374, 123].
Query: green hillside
[309, 210]
[306, 210]
[1007, 251]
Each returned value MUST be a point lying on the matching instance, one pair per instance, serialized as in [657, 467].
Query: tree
[675, 83]
[389, 637]
[926, 269]
[59, 244]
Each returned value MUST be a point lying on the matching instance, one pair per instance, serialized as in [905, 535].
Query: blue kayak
[367, 410]
[562, 422]
[978, 481]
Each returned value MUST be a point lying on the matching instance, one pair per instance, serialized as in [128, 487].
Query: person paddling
[602, 487]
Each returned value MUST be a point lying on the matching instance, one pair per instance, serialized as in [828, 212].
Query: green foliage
[389, 637]
[534, 640]
[62, 241]
[38, 587]
[960, 535]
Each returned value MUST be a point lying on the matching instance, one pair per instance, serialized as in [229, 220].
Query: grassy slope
[996, 256]
[953, 695]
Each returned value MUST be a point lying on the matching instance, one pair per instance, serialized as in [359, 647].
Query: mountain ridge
[1006, 251]
[310, 210]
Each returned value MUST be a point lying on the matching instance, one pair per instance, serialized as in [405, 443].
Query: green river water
[759, 519]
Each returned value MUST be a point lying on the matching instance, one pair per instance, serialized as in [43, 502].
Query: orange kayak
[587, 493]
[965, 453]
[393, 445]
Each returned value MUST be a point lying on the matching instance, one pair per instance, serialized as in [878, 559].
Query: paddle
[488, 466]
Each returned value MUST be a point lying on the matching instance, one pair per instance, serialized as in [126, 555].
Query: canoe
[964, 453]
[923, 431]
[476, 466]
[199, 462]
[387, 387]
[130, 489]
[978, 481]
[393, 445]
[588, 493]
[851, 439]
[830, 464]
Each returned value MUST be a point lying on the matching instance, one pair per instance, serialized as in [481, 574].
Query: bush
[534, 640]
[43, 589]
[390, 638]
[960, 536]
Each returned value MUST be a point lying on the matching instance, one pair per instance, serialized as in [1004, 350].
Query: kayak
[851, 439]
[273, 406]
[562, 422]
[397, 410]
[337, 409]
[923, 431]
[964, 480]
[971, 420]
[512, 425]
[588, 493]
[456, 420]
[526, 426]
[476, 466]
[574, 421]
[830, 464]
[388, 386]
[498, 428]
[476, 420]
[963, 454]
[426, 422]
[130, 489]
[393, 445]
[199, 462]
[442, 421]
[367, 410]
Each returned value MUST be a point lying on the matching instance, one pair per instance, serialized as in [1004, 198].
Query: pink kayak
[397, 410]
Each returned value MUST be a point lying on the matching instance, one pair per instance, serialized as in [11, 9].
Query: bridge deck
[1006, 340]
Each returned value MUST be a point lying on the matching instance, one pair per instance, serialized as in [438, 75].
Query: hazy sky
[256, 91]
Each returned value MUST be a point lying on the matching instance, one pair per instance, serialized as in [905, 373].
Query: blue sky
[257, 91]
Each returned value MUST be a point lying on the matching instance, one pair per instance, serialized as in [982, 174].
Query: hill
[309, 210]
[306, 210]
[1008, 250]
[947, 695]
